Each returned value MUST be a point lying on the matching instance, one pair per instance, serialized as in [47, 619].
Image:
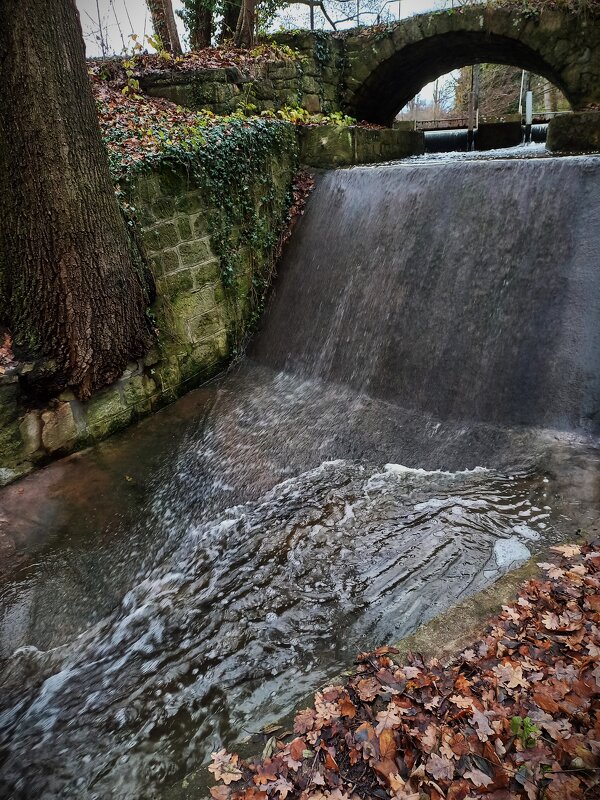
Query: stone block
[199, 223]
[161, 236]
[59, 432]
[184, 228]
[282, 70]
[189, 203]
[170, 260]
[209, 272]
[136, 394]
[176, 283]
[310, 85]
[326, 146]
[163, 208]
[184, 307]
[9, 395]
[106, 413]
[575, 133]
[168, 373]
[146, 189]
[193, 253]
[31, 432]
[182, 94]
[204, 327]
[152, 357]
[11, 445]
[172, 183]
[312, 103]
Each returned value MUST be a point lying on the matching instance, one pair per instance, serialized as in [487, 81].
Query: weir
[418, 414]
[469, 290]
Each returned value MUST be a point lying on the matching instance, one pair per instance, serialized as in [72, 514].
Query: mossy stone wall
[311, 81]
[575, 133]
[200, 314]
[371, 73]
[327, 146]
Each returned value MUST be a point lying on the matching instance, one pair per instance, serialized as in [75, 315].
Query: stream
[418, 415]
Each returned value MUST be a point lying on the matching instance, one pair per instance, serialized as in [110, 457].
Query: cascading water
[261, 531]
[468, 290]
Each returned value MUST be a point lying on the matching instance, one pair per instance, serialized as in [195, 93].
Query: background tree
[163, 22]
[71, 289]
[245, 32]
[197, 16]
[231, 13]
[499, 90]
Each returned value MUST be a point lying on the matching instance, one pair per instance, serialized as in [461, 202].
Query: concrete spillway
[470, 291]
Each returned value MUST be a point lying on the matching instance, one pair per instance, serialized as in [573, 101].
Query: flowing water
[418, 414]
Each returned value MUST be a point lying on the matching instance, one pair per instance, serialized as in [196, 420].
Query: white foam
[510, 551]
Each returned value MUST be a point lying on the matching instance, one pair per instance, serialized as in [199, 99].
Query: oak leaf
[390, 718]
[478, 777]
[441, 768]
[481, 722]
[225, 767]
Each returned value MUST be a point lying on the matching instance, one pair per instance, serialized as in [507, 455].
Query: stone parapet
[575, 133]
[327, 146]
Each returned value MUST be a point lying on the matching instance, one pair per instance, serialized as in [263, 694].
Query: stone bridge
[383, 67]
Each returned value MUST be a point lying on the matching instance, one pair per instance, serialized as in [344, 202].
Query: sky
[119, 19]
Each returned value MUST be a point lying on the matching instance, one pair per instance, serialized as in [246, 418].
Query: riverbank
[515, 715]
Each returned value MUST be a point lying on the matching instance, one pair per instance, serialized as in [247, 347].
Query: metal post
[528, 116]
[523, 79]
[473, 120]
[358, 13]
[399, 10]
[312, 16]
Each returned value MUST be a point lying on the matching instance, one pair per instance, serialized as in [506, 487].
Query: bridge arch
[387, 67]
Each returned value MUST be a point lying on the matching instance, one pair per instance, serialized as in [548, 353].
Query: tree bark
[201, 26]
[172, 28]
[231, 14]
[245, 32]
[163, 22]
[71, 283]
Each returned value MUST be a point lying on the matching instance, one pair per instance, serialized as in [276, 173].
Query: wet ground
[194, 579]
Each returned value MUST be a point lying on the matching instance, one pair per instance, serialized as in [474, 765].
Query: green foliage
[231, 161]
[300, 116]
[525, 731]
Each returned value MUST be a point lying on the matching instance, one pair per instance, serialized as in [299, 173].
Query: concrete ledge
[575, 133]
[328, 146]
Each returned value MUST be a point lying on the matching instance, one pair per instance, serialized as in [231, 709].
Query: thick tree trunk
[245, 32]
[163, 22]
[201, 26]
[71, 285]
[231, 14]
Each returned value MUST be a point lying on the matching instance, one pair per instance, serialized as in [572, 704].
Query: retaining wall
[201, 313]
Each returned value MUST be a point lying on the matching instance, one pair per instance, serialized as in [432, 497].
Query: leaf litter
[516, 715]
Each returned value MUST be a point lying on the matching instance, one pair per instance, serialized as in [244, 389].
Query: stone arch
[385, 68]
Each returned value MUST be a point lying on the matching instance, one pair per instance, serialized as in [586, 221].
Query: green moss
[106, 413]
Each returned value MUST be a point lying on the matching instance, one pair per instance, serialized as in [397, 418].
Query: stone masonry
[371, 73]
[198, 318]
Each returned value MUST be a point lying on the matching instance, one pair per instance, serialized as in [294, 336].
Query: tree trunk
[172, 28]
[163, 22]
[245, 31]
[201, 25]
[71, 289]
[231, 14]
